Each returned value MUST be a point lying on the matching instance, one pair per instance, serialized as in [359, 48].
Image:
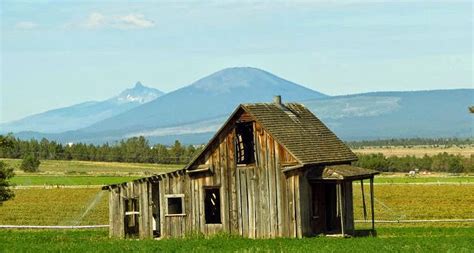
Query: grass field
[388, 240]
[28, 180]
[397, 197]
[411, 202]
[417, 151]
[393, 202]
[56, 207]
[440, 178]
[59, 180]
[57, 167]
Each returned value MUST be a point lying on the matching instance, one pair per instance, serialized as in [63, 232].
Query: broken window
[175, 204]
[245, 148]
[212, 206]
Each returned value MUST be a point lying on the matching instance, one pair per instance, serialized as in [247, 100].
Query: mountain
[211, 97]
[84, 114]
[383, 115]
[376, 115]
[193, 113]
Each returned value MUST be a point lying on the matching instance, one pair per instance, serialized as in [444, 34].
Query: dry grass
[418, 201]
[417, 151]
[56, 207]
[57, 167]
[66, 206]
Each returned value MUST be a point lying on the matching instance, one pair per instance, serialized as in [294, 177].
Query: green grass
[421, 179]
[95, 168]
[27, 180]
[388, 240]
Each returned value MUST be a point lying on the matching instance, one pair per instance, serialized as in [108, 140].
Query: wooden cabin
[272, 170]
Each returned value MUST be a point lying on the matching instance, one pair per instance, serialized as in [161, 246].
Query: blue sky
[58, 53]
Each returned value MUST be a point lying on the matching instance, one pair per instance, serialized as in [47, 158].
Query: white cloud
[135, 21]
[97, 20]
[26, 25]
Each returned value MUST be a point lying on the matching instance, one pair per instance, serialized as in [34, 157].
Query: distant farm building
[272, 170]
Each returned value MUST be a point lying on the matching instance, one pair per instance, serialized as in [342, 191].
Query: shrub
[5, 174]
[30, 163]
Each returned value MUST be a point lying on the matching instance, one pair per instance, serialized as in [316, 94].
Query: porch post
[372, 202]
[363, 199]
[341, 208]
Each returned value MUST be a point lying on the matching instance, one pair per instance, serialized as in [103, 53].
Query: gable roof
[301, 133]
[297, 129]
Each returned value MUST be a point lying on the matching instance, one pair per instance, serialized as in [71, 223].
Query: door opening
[131, 217]
[155, 196]
[324, 210]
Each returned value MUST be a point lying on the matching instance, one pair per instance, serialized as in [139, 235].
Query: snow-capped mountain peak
[138, 94]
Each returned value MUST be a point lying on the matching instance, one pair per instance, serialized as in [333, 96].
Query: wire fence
[356, 221]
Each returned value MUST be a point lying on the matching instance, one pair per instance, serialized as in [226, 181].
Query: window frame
[183, 207]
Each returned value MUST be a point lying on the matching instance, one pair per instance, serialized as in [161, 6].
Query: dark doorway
[324, 215]
[131, 218]
[155, 196]
[333, 223]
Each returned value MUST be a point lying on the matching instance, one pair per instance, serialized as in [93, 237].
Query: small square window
[175, 204]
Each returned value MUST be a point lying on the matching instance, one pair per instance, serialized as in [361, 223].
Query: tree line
[408, 142]
[442, 162]
[139, 150]
[136, 150]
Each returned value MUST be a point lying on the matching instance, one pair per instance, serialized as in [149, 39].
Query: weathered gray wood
[239, 203]
[298, 215]
[349, 207]
[372, 202]
[273, 191]
[363, 199]
[244, 203]
[251, 202]
[341, 208]
[305, 208]
[257, 200]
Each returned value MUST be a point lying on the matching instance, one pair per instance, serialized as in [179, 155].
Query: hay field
[418, 151]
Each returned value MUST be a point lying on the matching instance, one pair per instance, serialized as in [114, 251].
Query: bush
[30, 163]
[5, 174]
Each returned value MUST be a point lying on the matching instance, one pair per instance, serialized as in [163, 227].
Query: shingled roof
[300, 132]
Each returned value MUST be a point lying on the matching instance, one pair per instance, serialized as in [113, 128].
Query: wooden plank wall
[349, 207]
[142, 190]
[257, 201]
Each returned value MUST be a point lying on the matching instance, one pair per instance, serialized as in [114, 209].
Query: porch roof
[346, 172]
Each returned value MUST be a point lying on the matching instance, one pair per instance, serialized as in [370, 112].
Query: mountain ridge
[395, 123]
[80, 115]
[188, 103]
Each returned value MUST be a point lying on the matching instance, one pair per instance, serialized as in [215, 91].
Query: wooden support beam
[363, 199]
[372, 203]
[341, 208]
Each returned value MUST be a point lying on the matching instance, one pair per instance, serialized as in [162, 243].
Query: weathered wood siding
[257, 201]
[139, 190]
